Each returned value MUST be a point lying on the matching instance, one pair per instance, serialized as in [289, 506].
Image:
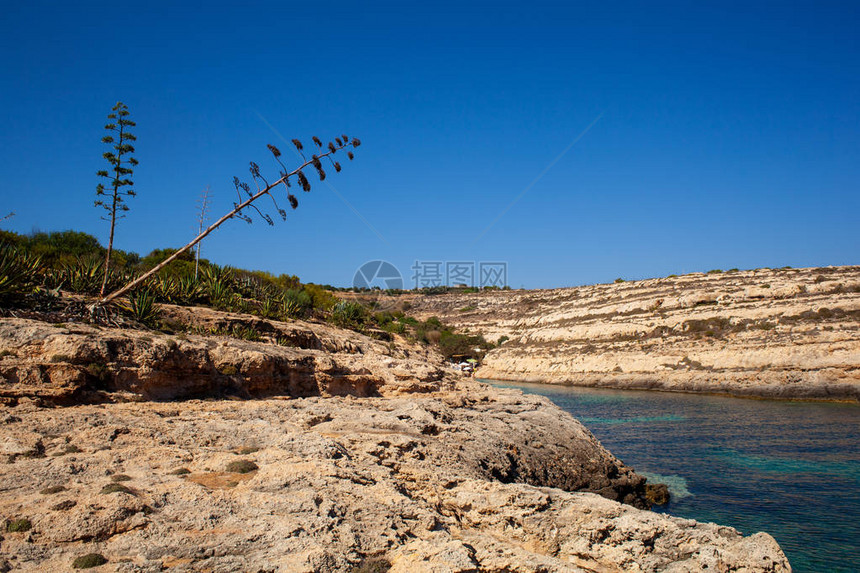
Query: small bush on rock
[373, 565]
[89, 560]
[52, 489]
[18, 525]
[242, 466]
[115, 488]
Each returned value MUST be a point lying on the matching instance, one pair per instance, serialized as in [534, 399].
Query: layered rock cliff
[312, 449]
[784, 333]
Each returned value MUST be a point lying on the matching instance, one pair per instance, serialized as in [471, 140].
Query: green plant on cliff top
[246, 199]
[142, 307]
[112, 199]
[19, 272]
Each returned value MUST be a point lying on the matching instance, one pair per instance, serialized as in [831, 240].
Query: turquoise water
[789, 468]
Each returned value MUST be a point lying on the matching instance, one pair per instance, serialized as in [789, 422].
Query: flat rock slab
[465, 479]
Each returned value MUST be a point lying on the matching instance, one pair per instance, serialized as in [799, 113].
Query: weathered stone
[774, 333]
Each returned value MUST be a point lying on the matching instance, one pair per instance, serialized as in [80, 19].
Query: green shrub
[373, 565]
[321, 298]
[99, 371]
[180, 472]
[18, 525]
[60, 247]
[349, 314]
[89, 560]
[115, 488]
[52, 490]
[120, 477]
[242, 466]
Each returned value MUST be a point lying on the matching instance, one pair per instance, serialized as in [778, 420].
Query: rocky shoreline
[768, 333]
[311, 449]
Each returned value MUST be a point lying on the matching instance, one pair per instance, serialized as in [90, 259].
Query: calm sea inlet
[791, 469]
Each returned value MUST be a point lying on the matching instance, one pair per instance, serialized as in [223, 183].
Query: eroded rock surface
[781, 333]
[310, 449]
[425, 482]
[73, 363]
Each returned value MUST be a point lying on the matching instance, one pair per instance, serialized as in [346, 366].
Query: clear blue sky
[727, 134]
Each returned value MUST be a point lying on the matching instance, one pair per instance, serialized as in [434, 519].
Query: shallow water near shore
[791, 469]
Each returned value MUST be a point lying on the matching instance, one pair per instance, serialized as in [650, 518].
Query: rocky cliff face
[146, 449]
[787, 333]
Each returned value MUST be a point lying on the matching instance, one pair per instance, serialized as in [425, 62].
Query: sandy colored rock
[784, 333]
[448, 481]
[353, 450]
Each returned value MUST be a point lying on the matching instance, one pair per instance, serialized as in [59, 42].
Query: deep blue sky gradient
[728, 133]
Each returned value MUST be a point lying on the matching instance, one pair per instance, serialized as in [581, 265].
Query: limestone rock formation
[429, 482]
[781, 333]
[309, 449]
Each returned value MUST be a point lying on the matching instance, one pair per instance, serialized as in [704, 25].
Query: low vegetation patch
[52, 489]
[89, 561]
[242, 467]
[373, 565]
[18, 525]
[115, 488]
